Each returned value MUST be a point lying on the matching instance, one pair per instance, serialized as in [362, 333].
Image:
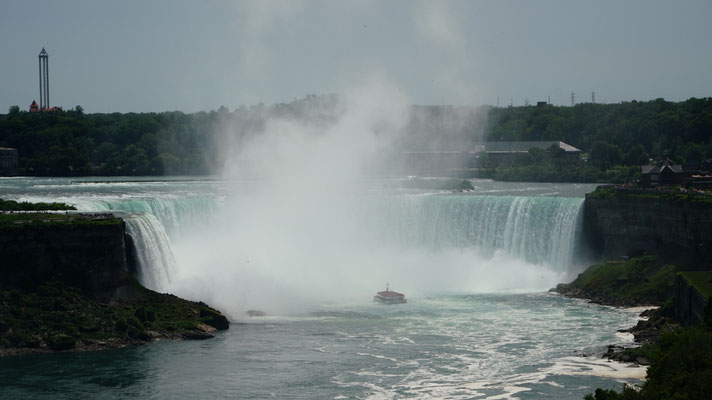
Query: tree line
[616, 138]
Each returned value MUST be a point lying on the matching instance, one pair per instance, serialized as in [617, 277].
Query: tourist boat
[389, 297]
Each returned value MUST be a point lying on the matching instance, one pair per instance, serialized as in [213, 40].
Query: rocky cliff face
[689, 303]
[632, 222]
[64, 285]
[89, 256]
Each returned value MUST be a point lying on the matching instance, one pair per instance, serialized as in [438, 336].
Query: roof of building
[502, 147]
[523, 147]
[665, 165]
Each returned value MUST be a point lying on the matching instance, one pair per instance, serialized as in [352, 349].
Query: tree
[636, 155]
[13, 111]
[605, 155]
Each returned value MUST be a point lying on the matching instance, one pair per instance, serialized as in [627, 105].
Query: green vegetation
[553, 165]
[640, 280]
[681, 360]
[617, 137]
[680, 367]
[47, 220]
[614, 134]
[11, 205]
[602, 193]
[457, 185]
[701, 280]
[673, 193]
[57, 316]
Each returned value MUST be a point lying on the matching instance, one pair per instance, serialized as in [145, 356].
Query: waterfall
[174, 213]
[154, 255]
[539, 230]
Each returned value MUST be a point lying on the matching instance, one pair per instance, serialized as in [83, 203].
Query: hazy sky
[163, 55]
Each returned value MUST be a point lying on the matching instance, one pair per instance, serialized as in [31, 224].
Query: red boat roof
[390, 293]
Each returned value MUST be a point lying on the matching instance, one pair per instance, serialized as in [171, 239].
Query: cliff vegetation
[12, 205]
[638, 281]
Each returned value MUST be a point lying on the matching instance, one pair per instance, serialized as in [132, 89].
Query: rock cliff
[677, 226]
[65, 285]
[89, 255]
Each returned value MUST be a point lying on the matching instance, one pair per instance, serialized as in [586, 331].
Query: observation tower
[44, 79]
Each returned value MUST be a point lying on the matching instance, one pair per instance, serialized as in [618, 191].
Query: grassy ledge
[638, 281]
[12, 205]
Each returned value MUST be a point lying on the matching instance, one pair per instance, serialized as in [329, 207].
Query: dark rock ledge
[65, 286]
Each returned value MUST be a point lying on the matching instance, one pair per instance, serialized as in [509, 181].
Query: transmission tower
[572, 99]
[593, 97]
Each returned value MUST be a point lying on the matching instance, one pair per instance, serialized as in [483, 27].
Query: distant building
[501, 152]
[440, 162]
[662, 173]
[44, 86]
[9, 161]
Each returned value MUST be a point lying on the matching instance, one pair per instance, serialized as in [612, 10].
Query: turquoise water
[474, 266]
[456, 347]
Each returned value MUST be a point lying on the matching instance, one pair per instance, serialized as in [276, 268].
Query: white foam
[589, 366]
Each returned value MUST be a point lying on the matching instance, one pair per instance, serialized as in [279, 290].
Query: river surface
[474, 267]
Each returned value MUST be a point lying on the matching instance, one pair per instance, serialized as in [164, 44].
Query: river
[474, 266]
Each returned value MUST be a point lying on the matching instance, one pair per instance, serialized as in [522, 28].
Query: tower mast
[44, 79]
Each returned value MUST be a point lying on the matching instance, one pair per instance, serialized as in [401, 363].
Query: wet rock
[214, 318]
[61, 342]
[198, 335]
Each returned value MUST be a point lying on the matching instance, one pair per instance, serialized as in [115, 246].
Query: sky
[166, 55]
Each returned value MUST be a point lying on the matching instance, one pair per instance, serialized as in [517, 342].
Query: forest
[615, 138]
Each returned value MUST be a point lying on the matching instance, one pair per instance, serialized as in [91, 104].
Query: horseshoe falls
[475, 268]
[239, 249]
[539, 230]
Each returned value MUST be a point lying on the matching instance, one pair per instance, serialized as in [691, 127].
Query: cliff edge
[64, 285]
[631, 222]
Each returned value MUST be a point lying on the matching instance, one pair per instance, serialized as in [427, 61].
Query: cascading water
[539, 230]
[336, 243]
[174, 213]
[154, 255]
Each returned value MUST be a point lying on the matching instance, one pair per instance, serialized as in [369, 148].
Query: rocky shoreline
[56, 317]
[656, 321]
[201, 332]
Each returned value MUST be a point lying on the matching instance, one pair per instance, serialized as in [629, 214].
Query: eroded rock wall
[629, 222]
[91, 257]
